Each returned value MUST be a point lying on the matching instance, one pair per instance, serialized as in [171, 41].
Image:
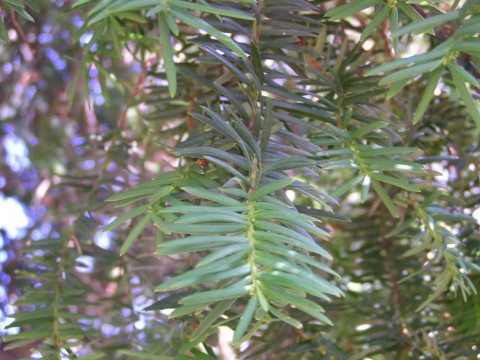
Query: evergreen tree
[300, 173]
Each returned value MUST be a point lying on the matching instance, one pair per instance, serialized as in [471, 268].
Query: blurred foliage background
[97, 98]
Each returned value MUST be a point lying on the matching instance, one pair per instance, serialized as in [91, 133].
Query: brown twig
[136, 91]
[444, 32]
[20, 31]
[191, 105]
[420, 10]
[391, 272]
[386, 41]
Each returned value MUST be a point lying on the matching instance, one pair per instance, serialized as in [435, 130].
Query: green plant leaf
[385, 199]
[209, 195]
[410, 72]
[200, 24]
[144, 356]
[465, 95]
[231, 292]
[133, 235]
[418, 27]
[167, 53]
[349, 185]
[208, 321]
[270, 187]
[245, 320]
[375, 23]
[211, 9]
[198, 243]
[428, 93]
[349, 9]
[125, 217]
[394, 181]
